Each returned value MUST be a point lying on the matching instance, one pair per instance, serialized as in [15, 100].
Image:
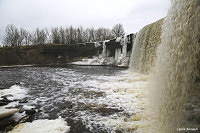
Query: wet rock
[21, 110]
[2, 103]
[24, 119]
[17, 82]
[77, 126]
[64, 105]
[106, 111]
[30, 112]
[23, 100]
[6, 123]
[5, 99]
[5, 96]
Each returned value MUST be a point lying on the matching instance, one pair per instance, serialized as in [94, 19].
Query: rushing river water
[89, 98]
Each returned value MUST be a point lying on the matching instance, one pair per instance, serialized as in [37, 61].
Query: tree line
[59, 35]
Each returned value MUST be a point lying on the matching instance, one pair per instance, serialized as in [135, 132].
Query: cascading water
[117, 55]
[175, 81]
[124, 46]
[114, 52]
[144, 48]
[105, 53]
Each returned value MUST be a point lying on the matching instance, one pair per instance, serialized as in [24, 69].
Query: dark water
[68, 92]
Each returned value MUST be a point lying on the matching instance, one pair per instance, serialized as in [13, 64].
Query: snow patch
[15, 91]
[42, 126]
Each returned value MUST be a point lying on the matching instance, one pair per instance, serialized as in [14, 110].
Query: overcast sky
[133, 14]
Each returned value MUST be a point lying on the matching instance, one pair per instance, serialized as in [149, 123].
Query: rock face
[144, 49]
[52, 54]
[45, 54]
[115, 52]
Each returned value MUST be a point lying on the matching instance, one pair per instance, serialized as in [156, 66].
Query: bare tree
[99, 34]
[48, 36]
[86, 35]
[11, 36]
[22, 34]
[26, 37]
[71, 35]
[91, 32]
[62, 36]
[107, 34]
[80, 31]
[67, 35]
[39, 36]
[55, 37]
[118, 30]
[59, 35]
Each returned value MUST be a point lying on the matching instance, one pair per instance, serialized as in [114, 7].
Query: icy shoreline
[42, 126]
[11, 112]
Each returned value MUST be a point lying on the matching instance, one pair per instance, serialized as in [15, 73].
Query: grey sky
[133, 14]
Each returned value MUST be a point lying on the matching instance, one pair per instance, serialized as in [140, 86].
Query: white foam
[12, 104]
[26, 107]
[120, 91]
[119, 60]
[43, 126]
[91, 61]
[16, 91]
[123, 91]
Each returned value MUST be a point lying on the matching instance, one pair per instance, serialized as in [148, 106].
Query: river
[89, 98]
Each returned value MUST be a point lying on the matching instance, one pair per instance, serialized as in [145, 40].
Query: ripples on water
[90, 99]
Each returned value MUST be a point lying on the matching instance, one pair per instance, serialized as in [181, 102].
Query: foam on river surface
[101, 99]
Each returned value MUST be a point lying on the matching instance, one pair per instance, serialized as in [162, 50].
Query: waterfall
[117, 55]
[145, 47]
[105, 52]
[124, 47]
[176, 77]
[104, 49]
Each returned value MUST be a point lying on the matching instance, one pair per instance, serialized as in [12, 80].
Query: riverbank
[45, 54]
